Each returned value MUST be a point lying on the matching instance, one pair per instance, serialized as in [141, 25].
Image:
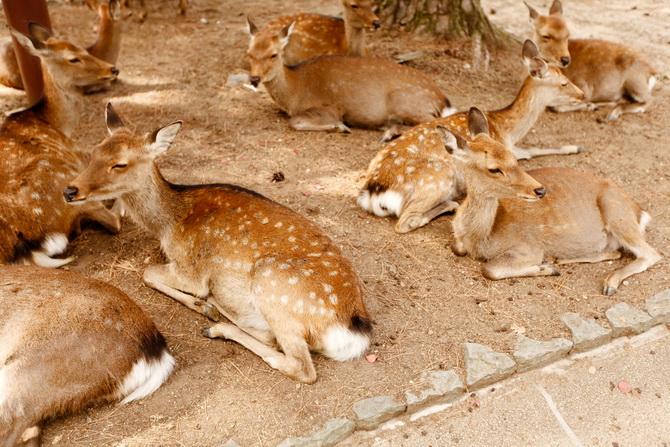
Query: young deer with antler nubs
[275, 275]
[415, 179]
[37, 156]
[580, 217]
[326, 92]
[610, 74]
[319, 35]
[67, 341]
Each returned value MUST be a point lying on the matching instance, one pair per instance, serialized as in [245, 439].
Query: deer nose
[540, 192]
[565, 61]
[69, 193]
[255, 80]
[115, 71]
[377, 24]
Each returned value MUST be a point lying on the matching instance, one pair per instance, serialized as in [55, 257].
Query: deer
[112, 18]
[610, 74]
[320, 35]
[68, 341]
[414, 179]
[278, 279]
[331, 93]
[39, 156]
[522, 223]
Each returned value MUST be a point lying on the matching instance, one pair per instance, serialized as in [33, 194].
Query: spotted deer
[580, 217]
[609, 74]
[326, 92]
[415, 179]
[112, 19]
[67, 341]
[273, 274]
[319, 35]
[37, 156]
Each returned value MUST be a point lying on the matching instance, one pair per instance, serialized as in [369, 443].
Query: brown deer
[38, 156]
[320, 35]
[112, 19]
[326, 92]
[580, 217]
[415, 179]
[277, 277]
[67, 341]
[610, 74]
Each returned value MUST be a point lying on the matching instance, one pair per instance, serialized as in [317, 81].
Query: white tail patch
[145, 377]
[384, 204]
[652, 82]
[342, 345]
[645, 218]
[53, 244]
[447, 111]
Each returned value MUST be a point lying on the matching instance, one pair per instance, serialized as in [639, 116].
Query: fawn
[107, 46]
[326, 92]
[609, 73]
[580, 217]
[275, 275]
[415, 179]
[67, 341]
[37, 156]
[320, 35]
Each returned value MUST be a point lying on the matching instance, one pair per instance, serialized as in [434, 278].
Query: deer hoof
[609, 290]
[549, 270]
[206, 332]
[209, 310]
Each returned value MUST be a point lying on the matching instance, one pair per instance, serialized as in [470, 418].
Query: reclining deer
[520, 222]
[67, 341]
[38, 156]
[277, 277]
[415, 179]
[610, 74]
[319, 35]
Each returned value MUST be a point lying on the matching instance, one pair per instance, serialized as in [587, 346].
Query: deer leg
[415, 214]
[97, 212]
[161, 278]
[591, 258]
[638, 89]
[518, 264]
[393, 131]
[319, 119]
[530, 152]
[646, 257]
[295, 362]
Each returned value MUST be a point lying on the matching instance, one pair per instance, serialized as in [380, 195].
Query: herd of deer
[283, 286]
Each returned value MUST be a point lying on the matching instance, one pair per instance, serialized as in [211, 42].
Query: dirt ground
[425, 301]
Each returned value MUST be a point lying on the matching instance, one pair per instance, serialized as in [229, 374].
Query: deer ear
[251, 28]
[456, 146]
[113, 120]
[477, 122]
[114, 9]
[533, 13]
[285, 34]
[161, 139]
[538, 68]
[529, 51]
[35, 41]
[556, 8]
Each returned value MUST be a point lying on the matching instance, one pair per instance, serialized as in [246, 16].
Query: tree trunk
[449, 19]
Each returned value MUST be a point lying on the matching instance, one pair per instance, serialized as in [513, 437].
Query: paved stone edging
[484, 366]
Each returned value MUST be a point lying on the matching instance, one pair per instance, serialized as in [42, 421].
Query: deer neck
[515, 121]
[475, 219]
[60, 104]
[355, 40]
[281, 86]
[156, 206]
[108, 44]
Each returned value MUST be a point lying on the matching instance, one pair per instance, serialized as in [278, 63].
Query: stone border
[484, 366]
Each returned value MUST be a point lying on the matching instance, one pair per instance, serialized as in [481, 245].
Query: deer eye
[564, 85]
[120, 166]
[546, 37]
[354, 6]
[273, 56]
[74, 60]
[495, 171]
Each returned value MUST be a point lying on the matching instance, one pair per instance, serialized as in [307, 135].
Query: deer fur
[67, 341]
[520, 223]
[415, 179]
[38, 156]
[609, 74]
[276, 276]
[326, 92]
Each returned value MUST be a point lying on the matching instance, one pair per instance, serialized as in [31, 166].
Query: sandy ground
[425, 301]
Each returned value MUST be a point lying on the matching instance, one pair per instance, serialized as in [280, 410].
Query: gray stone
[375, 410]
[658, 307]
[531, 353]
[335, 430]
[435, 387]
[484, 366]
[230, 443]
[236, 79]
[585, 334]
[626, 320]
